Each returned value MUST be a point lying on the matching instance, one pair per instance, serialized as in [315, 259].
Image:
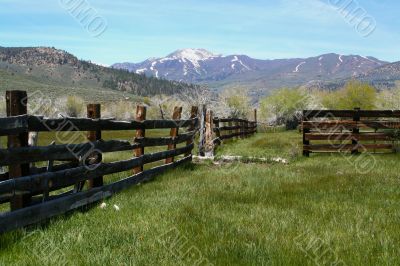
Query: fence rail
[229, 128]
[367, 131]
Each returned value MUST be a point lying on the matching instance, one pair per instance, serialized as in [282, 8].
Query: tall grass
[234, 214]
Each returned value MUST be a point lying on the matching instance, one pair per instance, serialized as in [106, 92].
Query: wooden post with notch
[174, 132]
[193, 114]
[140, 133]
[17, 104]
[356, 130]
[94, 112]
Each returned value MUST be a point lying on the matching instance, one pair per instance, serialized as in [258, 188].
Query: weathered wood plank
[35, 184]
[26, 123]
[348, 136]
[13, 125]
[226, 128]
[40, 212]
[152, 142]
[310, 114]
[349, 125]
[61, 152]
[141, 112]
[94, 112]
[176, 115]
[192, 129]
[17, 104]
[346, 147]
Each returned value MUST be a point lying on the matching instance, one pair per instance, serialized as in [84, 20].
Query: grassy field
[313, 211]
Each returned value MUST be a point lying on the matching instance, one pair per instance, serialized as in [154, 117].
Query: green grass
[234, 214]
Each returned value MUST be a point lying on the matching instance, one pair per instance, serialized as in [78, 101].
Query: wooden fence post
[356, 130]
[17, 103]
[209, 145]
[174, 132]
[202, 134]
[94, 112]
[140, 133]
[193, 114]
[306, 152]
[217, 130]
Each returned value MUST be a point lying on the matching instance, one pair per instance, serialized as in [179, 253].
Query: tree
[283, 106]
[237, 101]
[356, 94]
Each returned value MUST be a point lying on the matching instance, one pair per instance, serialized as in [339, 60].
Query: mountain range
[203, 67]
[57, 73]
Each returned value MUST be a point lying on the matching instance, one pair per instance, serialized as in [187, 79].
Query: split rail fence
[351, 131]
[72, 176]
[38, 193]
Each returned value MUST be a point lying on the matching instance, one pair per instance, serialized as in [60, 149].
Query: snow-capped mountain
[202, 66]
[191, 65]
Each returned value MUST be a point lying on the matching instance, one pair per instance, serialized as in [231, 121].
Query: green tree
[356, 94]
[283, 106]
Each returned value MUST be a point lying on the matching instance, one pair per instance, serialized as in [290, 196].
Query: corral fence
[217, 130]
[40, 182]
[352, 131]
[38, 193]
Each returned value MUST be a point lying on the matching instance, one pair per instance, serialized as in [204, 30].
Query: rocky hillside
[52, 66]
[385, 76]
[201, 66]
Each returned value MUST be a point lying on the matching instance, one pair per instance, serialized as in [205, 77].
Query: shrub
[355, 94]
[389, 99]
[122, 110]
[74, 106]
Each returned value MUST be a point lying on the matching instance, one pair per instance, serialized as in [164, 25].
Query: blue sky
[139, 29]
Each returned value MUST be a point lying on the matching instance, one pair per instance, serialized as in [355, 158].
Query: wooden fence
[229, 128]
[38, 193]
[73, 176]
[352, 131]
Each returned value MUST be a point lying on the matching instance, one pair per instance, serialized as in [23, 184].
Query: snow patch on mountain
[141, 70]
[298, 67]
[236, 59]
[152, 68]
